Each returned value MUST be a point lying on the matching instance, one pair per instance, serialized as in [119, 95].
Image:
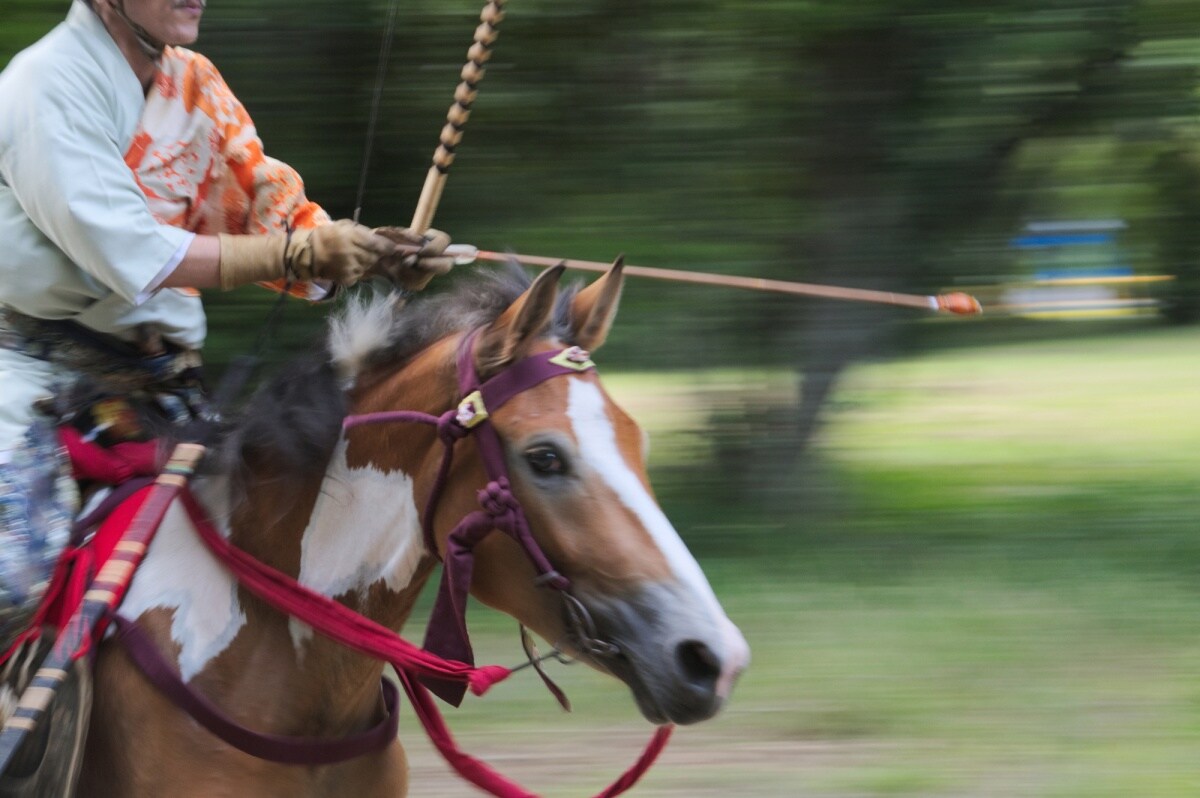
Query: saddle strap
[271, 747]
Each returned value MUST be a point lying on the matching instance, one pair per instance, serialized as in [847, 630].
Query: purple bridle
[446, 633]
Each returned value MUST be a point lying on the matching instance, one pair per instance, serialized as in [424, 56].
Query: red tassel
[482, 679]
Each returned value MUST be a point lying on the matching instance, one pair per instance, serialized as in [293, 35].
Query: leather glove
[414, 270]
[341, 252]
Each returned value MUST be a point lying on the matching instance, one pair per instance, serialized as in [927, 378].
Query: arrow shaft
[933, 303]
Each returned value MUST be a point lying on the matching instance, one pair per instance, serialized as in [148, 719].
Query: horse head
[638, 605]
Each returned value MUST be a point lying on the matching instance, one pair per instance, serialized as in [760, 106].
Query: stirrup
[48, 762]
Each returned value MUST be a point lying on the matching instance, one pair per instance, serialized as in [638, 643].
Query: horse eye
[546, 460]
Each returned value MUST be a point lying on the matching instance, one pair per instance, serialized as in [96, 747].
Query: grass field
[991, 588]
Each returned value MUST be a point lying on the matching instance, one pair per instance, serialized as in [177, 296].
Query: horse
[342, 510]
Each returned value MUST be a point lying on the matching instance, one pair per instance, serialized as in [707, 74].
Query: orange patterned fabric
[198, 159]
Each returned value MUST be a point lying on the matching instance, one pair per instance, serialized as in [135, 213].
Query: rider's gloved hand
[340, 252]
[422, 258]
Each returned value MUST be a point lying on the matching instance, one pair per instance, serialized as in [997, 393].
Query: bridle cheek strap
[497, 498]
[446, 634]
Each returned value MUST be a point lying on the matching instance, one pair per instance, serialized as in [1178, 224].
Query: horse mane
[293, 421]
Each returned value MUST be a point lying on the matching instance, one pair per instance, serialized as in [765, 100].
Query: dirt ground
[698, 762]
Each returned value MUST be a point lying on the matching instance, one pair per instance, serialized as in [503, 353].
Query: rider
[130, 175]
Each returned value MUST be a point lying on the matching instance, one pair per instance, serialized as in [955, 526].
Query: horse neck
[354, 532]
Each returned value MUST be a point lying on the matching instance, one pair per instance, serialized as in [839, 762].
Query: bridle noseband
[499, 507]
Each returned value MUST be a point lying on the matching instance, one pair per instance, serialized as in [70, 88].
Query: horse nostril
[698, 661]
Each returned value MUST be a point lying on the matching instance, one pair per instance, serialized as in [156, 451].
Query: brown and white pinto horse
[340, 512]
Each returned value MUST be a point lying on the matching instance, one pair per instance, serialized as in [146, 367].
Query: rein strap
[330, 618]
[270, 747]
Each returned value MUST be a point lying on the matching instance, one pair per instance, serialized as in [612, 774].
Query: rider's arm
[200, 267]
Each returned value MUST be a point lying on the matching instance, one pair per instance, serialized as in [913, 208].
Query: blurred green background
[966, 553]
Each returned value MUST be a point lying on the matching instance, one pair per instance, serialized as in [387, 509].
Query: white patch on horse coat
[361, 329]
[180, 574]
[364, 529]
[597, 441]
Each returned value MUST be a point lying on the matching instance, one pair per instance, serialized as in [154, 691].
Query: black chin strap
[152, 48]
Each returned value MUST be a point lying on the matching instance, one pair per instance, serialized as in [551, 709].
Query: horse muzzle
[679, 658]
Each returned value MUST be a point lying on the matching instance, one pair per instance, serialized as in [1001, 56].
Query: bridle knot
[497, 499]
[449, 429]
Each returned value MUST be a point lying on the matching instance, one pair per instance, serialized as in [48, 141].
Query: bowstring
[385, 50]
[243, 366]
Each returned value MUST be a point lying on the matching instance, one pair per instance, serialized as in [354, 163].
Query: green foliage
[896, 145]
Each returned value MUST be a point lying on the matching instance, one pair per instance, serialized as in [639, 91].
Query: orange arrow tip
[959, 303]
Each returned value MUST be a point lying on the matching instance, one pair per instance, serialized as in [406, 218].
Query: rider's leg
[38, 497]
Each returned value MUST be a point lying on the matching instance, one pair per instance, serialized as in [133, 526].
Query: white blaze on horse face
[597, 442]
[364, 529]
[180, 574]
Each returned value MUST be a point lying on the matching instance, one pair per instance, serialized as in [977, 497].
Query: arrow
[956, 303]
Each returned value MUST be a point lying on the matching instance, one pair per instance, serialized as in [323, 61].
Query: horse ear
[510, 336]
[595, 307]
